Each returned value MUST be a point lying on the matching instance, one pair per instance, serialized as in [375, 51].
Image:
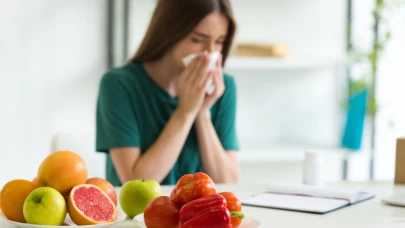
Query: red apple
[162, 212]
[104, 185]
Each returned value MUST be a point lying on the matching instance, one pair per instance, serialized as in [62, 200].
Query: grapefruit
[12, 198]
[104, 185]
[35, 181]
[89, 205]
[62, 170]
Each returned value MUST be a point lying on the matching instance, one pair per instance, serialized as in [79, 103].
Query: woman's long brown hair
[173, 20]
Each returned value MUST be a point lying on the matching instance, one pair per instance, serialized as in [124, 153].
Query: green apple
[135, 195]
[45, 206]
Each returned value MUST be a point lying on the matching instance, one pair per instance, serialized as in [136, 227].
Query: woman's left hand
[218, 81]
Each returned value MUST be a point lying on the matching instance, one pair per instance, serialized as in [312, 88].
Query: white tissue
[211, 66]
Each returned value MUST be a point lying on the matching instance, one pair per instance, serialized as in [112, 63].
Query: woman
[154, 119]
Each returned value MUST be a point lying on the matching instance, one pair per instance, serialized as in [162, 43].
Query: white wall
[312, 28]
[52, 55]
[284, 106]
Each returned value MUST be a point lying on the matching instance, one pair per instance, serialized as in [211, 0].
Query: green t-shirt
[132, 110]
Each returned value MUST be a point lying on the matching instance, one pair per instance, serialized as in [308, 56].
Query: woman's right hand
[191, 85]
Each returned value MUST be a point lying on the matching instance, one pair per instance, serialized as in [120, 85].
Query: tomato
[235, 207]
[162, 212]
[194, 186]
[173, 194]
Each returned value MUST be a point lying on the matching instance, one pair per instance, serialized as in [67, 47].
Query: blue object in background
[353, 133]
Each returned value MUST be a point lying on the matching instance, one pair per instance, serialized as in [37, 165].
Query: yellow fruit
[62, 171]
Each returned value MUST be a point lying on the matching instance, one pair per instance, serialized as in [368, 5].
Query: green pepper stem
[239, 214]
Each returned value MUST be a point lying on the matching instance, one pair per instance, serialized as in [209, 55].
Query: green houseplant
[362, 102]
[381, 13]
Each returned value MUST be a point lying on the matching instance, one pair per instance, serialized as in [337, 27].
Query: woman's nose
[211, 47]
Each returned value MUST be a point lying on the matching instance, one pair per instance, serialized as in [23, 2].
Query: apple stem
[36, 200]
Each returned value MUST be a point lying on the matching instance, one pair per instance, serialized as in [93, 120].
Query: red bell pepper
[235, 208]
[206, 212]
[193, 208]
[214, 217]
[193, 186]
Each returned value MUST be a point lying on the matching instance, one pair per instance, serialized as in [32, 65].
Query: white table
[369, 214]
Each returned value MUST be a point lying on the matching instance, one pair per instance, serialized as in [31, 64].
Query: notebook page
[320, 192]
[296, 203]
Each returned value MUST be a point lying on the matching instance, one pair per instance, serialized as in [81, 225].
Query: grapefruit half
[89, 205]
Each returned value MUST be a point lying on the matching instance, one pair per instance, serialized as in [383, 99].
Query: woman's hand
[218, 80]
[191, 86]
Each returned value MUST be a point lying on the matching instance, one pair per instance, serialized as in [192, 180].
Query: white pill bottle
[312, 169]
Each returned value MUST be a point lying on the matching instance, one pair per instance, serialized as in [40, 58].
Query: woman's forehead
[214, 24]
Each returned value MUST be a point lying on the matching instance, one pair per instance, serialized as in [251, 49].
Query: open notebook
[306, 198]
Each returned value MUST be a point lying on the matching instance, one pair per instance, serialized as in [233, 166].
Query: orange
[12, 198]
[62, 170]
[88, 205]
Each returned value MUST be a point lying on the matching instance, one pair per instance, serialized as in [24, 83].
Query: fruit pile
[194, 202]
[61, 187]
